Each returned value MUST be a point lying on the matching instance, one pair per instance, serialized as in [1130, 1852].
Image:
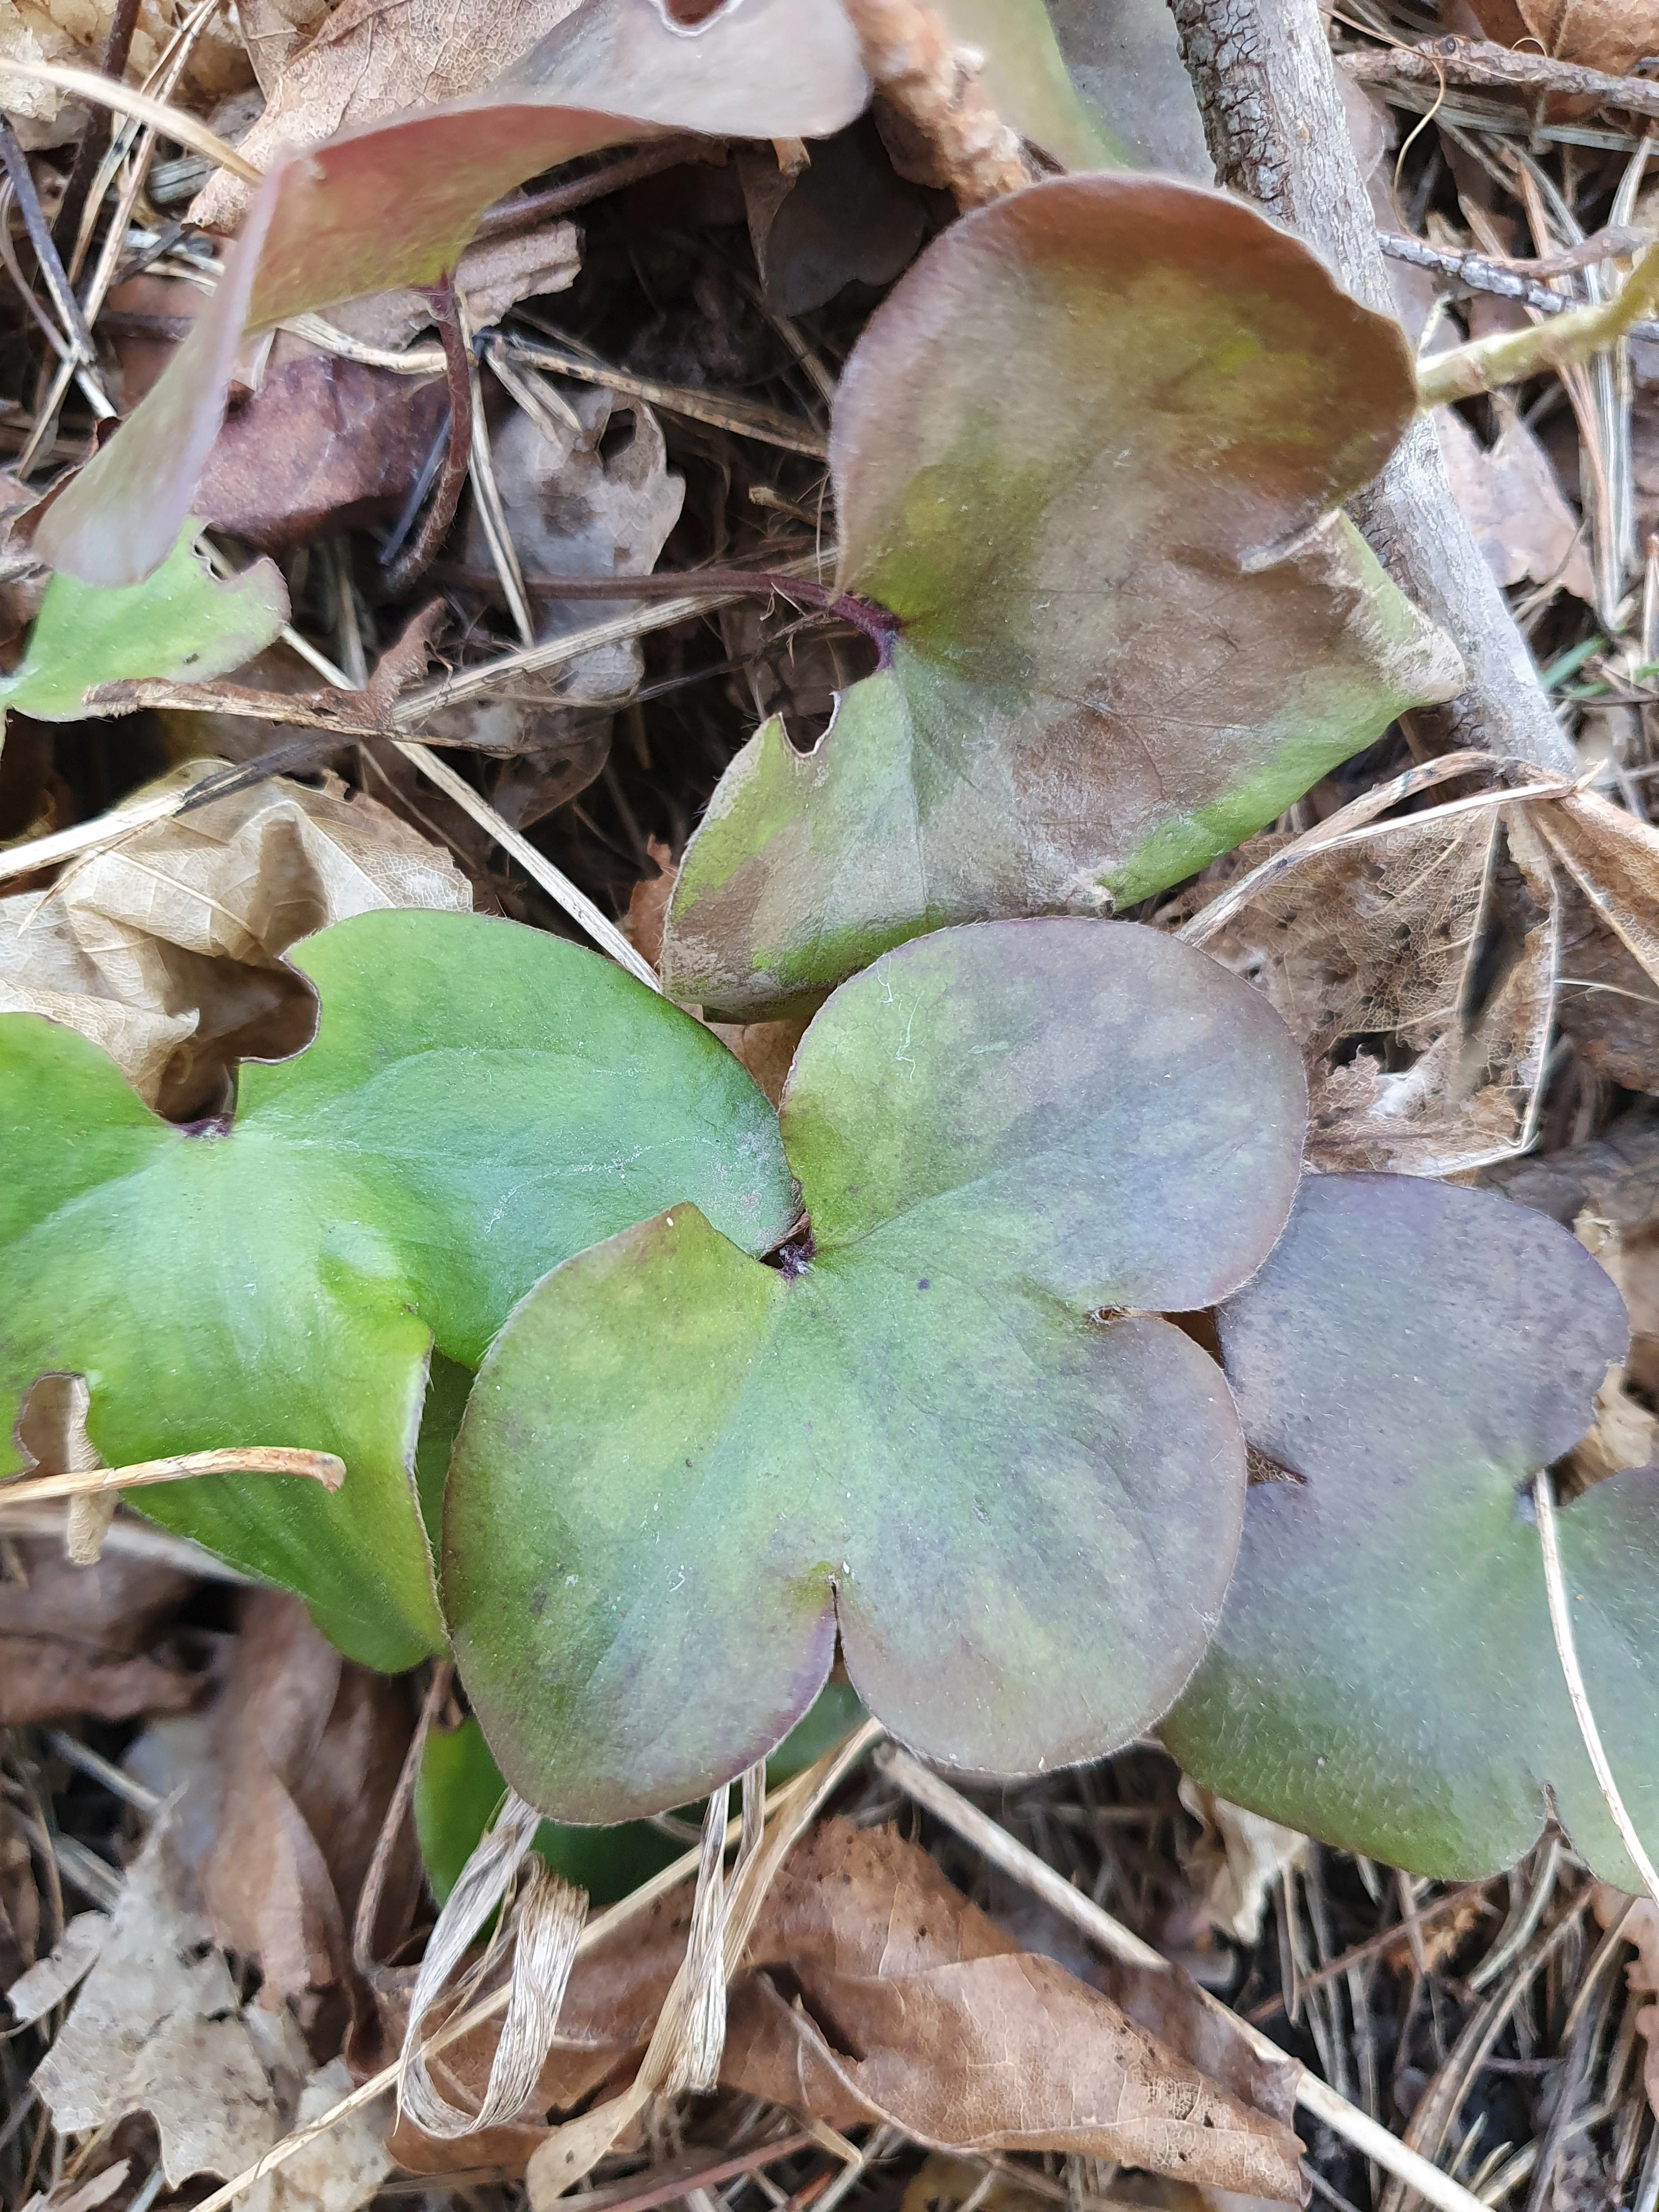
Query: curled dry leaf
[93, 1639]
[1384, 1675]
[480, 1101]
[872, 1989]
[1608, 864]
[1129, 627]
[309, 1750]
[393, 204]
[1381, 941]
[490, 277]
[156, 2029]
[1001, 1132]
[166, 948]
[1239, 1859]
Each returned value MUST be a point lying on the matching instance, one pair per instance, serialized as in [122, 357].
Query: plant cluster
[651, 1399]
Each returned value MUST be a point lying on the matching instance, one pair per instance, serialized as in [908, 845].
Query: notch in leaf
[1087, 456]
[951, 1425]
[481, 1100]
[1384, 1674]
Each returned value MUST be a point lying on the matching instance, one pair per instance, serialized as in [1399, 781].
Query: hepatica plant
[890, 1370]
[1088, 460]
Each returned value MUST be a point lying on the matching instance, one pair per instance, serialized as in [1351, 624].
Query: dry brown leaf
[1642, 1975]
[1614, 35]
[166, 949]
[156, 2029]
[872, 1990]
[324, 444]
[1609, 999]
[310, 1748]
[1239, 1859]
[72, 32]
[491, 277]
[1512, 502]
[1377, 941]
[89, 1639]
[53, 1978]
[367, 62]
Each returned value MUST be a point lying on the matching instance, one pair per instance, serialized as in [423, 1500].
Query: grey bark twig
[1273, 119]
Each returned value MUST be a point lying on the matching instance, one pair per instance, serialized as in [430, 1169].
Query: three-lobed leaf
[952, 1428]
[1384, 1674]
[481, 1101]
[1088, 453]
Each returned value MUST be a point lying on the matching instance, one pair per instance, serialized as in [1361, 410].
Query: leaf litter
[1461, 986]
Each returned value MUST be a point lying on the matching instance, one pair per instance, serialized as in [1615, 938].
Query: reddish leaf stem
[419, 554]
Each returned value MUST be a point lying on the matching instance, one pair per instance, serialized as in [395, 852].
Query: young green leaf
[393, 202]
[680, 1473]
[182, 620]
[1384, 1674]
[481, 1101]
[1088, 455]
[1025, 79]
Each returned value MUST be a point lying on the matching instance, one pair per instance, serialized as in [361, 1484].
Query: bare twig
[179, 1466]
[1543, 1498]
[1499, 69]
[526, 210]
[1313, 2096]
[935, 85]
[1509, 356]
[1508, 279]
[1273, 119]
[171, 122]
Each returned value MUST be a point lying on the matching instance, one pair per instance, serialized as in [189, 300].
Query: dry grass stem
[1543, 1499]
[171, 122]
[179, 1466]
[1562, 342]
[935, 85]
[1367, 2136]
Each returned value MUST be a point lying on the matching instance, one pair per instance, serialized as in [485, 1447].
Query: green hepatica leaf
[1385, 1674]
[480, 1101]
[939, 1431]
[182, 620]
[1088, 453]
[1026, 80]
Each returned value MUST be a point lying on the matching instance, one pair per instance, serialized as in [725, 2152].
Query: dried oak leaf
[166, 948]
[1511, 499]
[1384, 1675]
[1087, 455]
[93, 1639]
[156, 2029]
[390, 203]
[1377, 942]
[309, 1748]
[872, 1989]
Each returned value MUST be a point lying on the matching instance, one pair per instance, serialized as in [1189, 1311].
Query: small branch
[1511, 357]
[1007, 1852]
[1518, 280]
[1543, 1498]
[179, 1466]
[1498, 69]
[935, 85]
[89, 154]
[1273, 120]
[417, 556]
